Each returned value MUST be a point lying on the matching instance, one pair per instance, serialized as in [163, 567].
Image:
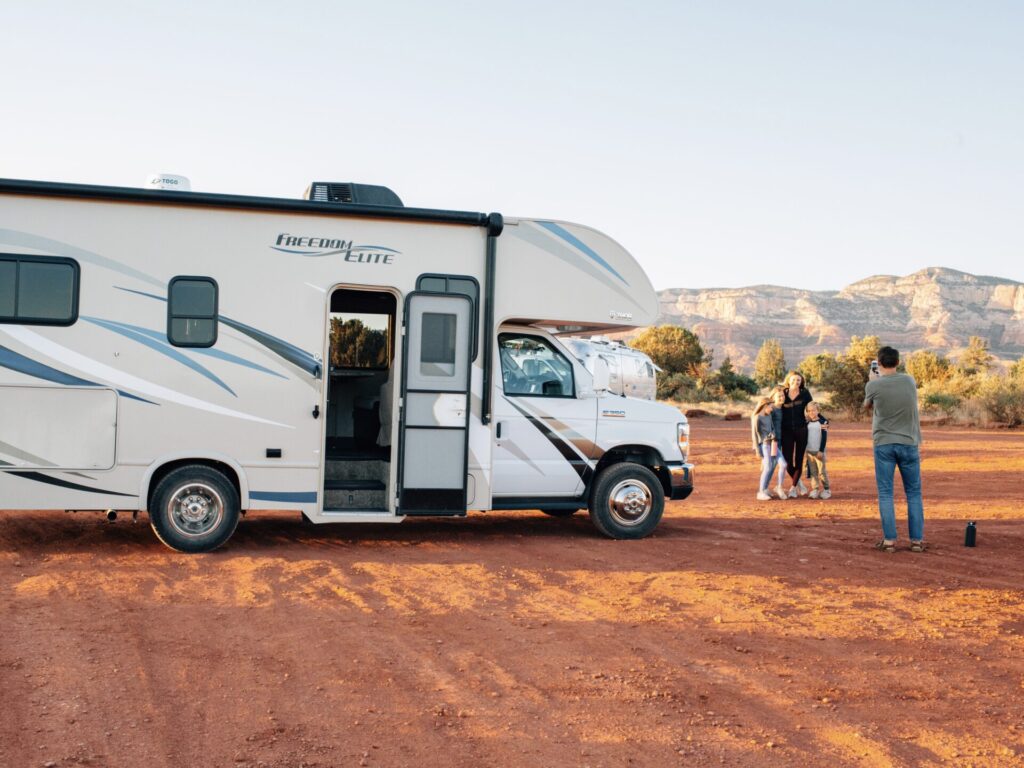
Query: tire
[627, 501]
[560, 512]
[195, 509]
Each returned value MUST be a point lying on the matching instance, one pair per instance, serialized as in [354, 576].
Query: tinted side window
[192, 311]
[38, 290]
[530, 366]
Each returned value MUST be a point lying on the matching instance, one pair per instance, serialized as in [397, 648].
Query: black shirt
[793, 410]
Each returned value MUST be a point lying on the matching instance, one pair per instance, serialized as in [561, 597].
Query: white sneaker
[764, 496]
[813, 494]
[781, 493]
[792, 492]
[826, 494]
[801, 487]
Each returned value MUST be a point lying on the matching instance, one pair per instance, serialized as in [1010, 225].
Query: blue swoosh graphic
[227, 357]
[18, 362]
[163, 348]
[279, 347]
[570, 238]
[297, 497]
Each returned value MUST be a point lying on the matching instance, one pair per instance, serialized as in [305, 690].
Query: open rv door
[434, 426]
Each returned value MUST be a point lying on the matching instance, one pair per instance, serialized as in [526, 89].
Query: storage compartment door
[58, 427]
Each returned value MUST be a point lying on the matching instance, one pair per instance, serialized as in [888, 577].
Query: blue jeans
[908, 459]
[768, 463]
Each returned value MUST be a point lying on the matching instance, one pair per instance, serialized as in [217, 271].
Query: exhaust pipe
[111, 515]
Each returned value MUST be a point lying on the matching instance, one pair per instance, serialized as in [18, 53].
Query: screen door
[435, 404]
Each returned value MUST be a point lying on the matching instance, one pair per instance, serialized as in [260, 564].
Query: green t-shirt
[894, 419]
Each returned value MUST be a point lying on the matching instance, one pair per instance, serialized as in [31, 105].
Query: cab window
[532, 367]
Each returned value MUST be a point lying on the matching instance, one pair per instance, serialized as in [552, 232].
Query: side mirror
[602, 375]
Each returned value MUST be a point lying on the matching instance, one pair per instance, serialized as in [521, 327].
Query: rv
[631, 373]
[200, 355]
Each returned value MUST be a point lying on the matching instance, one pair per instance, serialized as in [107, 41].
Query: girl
[794, 430]
[762, 432]
[778, 396]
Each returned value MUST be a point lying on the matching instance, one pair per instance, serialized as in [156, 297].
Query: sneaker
[792, 492]
[781, 493]
[826, 494]
[801, 487]
[813, 494]
[764, 496]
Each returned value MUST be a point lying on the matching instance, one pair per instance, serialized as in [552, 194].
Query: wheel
[627, 501]
[195, 509]
[560, 512]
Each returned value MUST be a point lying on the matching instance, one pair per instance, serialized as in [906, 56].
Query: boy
[817, 436]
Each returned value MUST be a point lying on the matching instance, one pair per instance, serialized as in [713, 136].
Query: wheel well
[165, 469]
[639, 454]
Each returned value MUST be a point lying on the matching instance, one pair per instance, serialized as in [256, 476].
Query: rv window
[465, 286]
[192, 311]
[437, 348]
[36, 290]
[435, 284]
[530, 366]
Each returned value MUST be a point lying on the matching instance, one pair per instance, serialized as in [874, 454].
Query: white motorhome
[200, 355]
[631, 373]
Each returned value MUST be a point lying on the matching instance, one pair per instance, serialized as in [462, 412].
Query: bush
[942, 402]
[1002, 399]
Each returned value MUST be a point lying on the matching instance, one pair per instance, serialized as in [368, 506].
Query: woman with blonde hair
[794, 429]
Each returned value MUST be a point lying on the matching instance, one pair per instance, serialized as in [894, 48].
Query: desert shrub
[927, 367]
[670, 384]
[1016, 371]
[727, 382]
[940, 402]
[1002, 399]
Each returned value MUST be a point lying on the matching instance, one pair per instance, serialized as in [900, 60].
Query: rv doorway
[360, 389]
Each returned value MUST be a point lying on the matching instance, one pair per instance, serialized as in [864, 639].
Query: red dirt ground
[742, 633]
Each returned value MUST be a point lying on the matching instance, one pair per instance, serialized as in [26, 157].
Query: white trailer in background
[199, 355]
[631, 373]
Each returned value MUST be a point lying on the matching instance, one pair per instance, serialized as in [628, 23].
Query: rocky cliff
[935, 308]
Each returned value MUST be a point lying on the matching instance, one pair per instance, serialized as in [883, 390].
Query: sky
[807, 144]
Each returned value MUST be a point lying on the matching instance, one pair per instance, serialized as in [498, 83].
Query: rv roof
[207, 199]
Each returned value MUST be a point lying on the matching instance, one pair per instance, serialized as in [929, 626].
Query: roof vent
[168, 181]
[346, 192]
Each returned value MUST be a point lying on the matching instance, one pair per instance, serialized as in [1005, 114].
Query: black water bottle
[970, 534]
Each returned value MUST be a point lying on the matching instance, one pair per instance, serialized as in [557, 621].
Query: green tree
[353, 345]
[850, 376]
[770, 364]
[976, 358]
[674, 350]
[927, 367]
[728, 382]
[818, 369]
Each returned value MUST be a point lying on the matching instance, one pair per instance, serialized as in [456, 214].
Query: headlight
[683, 438]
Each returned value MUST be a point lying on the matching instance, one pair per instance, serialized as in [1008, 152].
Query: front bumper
[681, 476]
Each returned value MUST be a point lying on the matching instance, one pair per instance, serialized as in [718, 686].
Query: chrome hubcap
[630, 502]
[195, 509]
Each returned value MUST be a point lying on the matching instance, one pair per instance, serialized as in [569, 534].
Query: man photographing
[891, 397]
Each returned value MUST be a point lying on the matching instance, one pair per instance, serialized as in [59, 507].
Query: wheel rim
[195, 509]
[630, 502]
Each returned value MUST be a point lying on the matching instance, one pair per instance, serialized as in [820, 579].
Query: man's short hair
[888, 357]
